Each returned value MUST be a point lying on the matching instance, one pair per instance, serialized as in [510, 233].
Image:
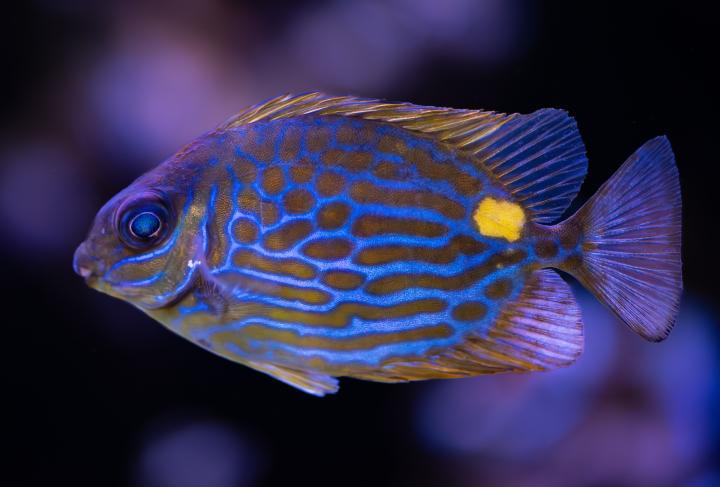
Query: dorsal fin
[540, 157]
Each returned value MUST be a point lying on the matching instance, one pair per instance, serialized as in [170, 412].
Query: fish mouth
[86, 265]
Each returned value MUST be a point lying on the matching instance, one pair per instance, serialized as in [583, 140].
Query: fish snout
[85, 265]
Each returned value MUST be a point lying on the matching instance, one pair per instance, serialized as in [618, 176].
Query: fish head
[146, 244]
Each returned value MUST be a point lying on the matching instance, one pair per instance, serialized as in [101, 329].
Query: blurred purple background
[99, 395]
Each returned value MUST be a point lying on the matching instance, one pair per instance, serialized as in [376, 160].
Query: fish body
[314, 237]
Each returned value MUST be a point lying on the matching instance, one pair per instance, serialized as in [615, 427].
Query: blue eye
[143, 223]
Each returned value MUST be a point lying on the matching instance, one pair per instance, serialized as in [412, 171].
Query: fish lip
[84, 272]
[85, 264]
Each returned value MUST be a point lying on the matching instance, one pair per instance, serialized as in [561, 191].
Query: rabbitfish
[312, 237]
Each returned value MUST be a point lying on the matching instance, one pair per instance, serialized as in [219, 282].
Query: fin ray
[307, 381]
[632, 236]
[541, 158]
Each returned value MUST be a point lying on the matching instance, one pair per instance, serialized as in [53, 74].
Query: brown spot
[290, 144]
[330, 184]
[250, 202]
[269, 213]
[298, 201]
[245, 230]
[423, 158]
[317, 139]
[339, 317]
[468, 245]
[273, 181]
[368, 193]
[394, 253]
[573, 262]
[260, 146]
[546, 249]
[345, 135]
[465, 183]
[328, 249]
[302, 172]
[569, 238]
[469, 311]
[348, 135]
[588, 247]
[245, 171]
[392, 171]
[400, 282]
[256, 285]
[351, 160]
[434, 255]
[371, 225]
[256, 332]
[288, 235]
[333, 215]
[221, 214]
[499, 289]
[392, 145]
[249, 259]
[343, 279]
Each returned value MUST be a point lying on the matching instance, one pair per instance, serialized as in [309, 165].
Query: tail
[630, 231]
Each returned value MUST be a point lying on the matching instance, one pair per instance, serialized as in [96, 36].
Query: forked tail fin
[631, 241]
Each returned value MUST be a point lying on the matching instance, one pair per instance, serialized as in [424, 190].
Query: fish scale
[313, 237]
[372, 131]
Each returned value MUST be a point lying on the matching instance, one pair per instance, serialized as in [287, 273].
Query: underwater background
[98, 394]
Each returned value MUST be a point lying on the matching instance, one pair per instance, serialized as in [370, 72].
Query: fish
[312, 237]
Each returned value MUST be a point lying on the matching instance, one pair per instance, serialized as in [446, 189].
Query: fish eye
[143, 223]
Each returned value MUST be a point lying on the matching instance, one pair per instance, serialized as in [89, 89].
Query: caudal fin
[631, 241]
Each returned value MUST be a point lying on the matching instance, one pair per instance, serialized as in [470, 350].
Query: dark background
[100, 395]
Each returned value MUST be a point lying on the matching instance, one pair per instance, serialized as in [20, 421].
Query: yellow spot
[499, 218]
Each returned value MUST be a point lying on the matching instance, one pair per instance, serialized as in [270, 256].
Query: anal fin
[314, 383]
[540, 329]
